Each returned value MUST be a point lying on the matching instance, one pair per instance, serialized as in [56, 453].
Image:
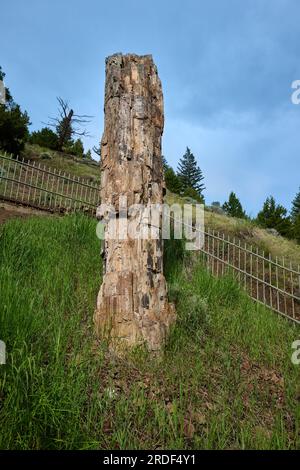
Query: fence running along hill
[45, 188]
[274, 283]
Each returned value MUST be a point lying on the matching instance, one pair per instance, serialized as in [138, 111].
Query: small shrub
[46, 156]
[195, 313]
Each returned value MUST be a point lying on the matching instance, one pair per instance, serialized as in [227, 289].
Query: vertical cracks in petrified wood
[132, 303]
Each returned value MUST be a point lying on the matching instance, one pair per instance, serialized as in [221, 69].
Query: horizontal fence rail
[45, 188]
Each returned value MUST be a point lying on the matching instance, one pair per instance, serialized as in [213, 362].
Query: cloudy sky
[226, 67]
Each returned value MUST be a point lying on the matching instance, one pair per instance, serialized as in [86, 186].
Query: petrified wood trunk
[132, 303]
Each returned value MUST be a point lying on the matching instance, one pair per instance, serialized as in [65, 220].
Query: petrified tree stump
[132, 304]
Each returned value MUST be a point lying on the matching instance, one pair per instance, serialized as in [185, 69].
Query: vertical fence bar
[81, 191]
[228, 253]
[264, 278]
[223, 254]
[19, 179]
[60, 180]
[270, 275]
[7, 175]
[213, 252]
[298, 288]
[13, 180]
[292, 290]
[47, 197]
[245, 266]
[63, 190]
[73, 202]
[284, 285]
[257, 274]
[30, 183]
[239, 260]
[76, 194]
[52, 188]
[95, 195]
[277, 285]
[86, 189]
[89, 193]
[42, 186]
[251, 270]
[208, 257]
[37, 174]
[218, 255]
[24, 182]
[66, 191]
[233, 256]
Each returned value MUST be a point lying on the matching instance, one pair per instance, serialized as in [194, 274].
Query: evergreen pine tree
[233, 207]
[172, 181]
[191, 193]
[165, 164]
[13, 124]
[88, 155]
[76, 148]
[190, 173]
[296, 228]
[296, 207]
[275, 216]
[44, 138]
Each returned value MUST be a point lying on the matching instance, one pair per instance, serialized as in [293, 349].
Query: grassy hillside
[224, 381]
[62, 161]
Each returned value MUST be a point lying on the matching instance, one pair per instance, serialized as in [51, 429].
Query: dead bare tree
[97, 150]
[68, 124]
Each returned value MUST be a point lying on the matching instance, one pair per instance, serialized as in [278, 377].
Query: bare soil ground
[12, 211]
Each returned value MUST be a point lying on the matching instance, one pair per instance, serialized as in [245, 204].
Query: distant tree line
[271, 216]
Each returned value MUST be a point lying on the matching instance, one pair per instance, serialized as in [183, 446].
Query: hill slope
[63, 162]
[224, 381]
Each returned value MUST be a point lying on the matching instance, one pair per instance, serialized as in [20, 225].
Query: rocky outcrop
[132, 305]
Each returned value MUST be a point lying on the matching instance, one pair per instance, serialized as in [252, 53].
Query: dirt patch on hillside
[11, 211]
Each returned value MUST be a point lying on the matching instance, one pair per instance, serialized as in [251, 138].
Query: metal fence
[273, 282]
[45, 188]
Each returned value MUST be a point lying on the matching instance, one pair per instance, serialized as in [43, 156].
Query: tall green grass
[49, 274]
[224, 380]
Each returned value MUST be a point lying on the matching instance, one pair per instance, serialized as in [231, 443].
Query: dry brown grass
[65, 163]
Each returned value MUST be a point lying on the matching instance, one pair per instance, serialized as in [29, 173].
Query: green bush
[193, 194]
[13, 124]
[44, 138]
